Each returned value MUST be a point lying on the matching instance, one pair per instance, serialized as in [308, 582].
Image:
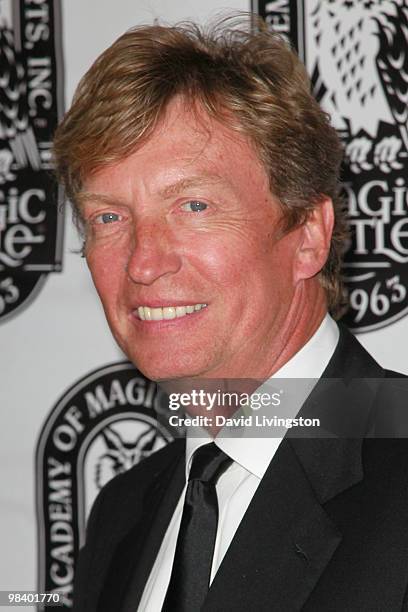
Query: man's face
[188, 223]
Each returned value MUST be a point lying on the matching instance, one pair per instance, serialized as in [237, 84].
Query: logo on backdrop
[31, 82]
[356, 52]
[103, 425]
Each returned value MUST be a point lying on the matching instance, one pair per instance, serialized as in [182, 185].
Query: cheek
[106, 271]
[219, 262]
[230, 257]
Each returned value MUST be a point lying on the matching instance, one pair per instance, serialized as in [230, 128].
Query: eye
[194, 206]
[108, 217]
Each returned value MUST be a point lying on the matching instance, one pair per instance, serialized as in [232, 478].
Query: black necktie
[190, 577]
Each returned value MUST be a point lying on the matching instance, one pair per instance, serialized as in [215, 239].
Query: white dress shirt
[251, 457]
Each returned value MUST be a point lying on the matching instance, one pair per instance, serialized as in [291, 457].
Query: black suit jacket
[327, 529]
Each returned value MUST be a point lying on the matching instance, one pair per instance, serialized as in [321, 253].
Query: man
[204, 177]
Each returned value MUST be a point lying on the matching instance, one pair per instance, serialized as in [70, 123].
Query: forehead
[187, 146]
[187, 128]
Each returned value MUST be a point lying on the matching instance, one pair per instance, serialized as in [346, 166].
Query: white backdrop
[62, 334]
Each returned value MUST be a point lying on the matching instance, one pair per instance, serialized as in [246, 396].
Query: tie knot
[208, 463]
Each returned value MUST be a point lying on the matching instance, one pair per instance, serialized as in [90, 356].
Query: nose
[153, 253]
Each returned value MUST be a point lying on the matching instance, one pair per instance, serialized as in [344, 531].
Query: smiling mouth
[145, 313]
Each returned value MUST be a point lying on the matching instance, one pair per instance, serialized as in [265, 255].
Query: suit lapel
[281, 547]
[160, 504]
[136, 535]
[286, 539]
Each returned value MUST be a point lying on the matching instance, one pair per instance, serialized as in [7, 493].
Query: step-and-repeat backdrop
[74, 412]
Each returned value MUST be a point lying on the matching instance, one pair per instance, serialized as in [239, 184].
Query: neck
[306, 313]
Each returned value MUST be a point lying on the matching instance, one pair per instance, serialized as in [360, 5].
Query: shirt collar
[312, 359]
[255, 454]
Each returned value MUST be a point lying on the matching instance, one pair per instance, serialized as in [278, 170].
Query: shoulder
[118, 507]
[121, 500]
[352, 359]
[395, 375]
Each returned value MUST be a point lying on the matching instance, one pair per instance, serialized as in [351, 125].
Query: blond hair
[249, 79]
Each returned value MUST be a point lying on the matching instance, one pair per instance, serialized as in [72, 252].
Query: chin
[161, 368]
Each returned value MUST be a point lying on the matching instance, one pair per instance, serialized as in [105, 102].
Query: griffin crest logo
[356, 52]
[103, 425]
[31, 101]
[360, 76]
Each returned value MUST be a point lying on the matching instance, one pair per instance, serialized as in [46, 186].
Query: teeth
[156, 314]
[169, 312]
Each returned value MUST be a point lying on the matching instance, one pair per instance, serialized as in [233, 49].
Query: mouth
[146, 313]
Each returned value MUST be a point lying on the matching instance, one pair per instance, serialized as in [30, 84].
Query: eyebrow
[187, 183]
[166, 192]
[88, 196]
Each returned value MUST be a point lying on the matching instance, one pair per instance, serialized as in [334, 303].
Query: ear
[314, 243]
